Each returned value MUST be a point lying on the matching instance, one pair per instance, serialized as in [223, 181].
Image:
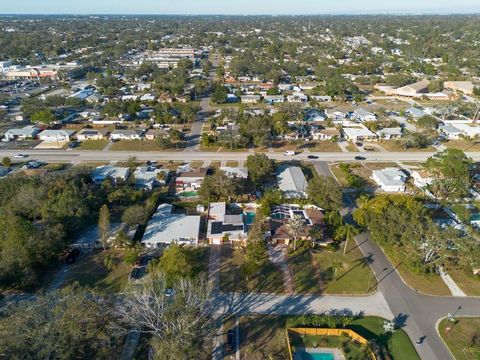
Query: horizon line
[383, 13]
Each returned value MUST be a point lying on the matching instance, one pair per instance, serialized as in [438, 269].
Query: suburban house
[468, 130]
[422, 178]
[274, 99]
[390, 133]
[250, 99]
[465, 87]
[359, 134]
[115, 173]
[413, 90]
[363, 115]
[56, 135]
[27, 132]
[235, 172]
[147, 177]
[91, 134]
[280, 233]
[166, 227]
[190, 180]
[312, 115]
[292, 182]
[415, 112]
[325, 134]
[390, 179]
[335, 115]
[223, 227]
[128, 134]
[297, 97]
[153, 134]
[450, 132]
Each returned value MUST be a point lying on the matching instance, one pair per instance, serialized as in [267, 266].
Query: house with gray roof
[115, 173]
[415, 112]
[363, 115]
[292, 182]
[390, 179]
[27, 132]
[167, 227]
[128, 134]
[222, 226]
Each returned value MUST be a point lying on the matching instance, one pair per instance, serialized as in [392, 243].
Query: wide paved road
[77, 156]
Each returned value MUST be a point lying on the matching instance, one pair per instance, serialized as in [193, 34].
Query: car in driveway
[312, 156]
[360, 158]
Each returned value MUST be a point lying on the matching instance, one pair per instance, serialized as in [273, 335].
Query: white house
[422, 178]
[359, 134]
[115, 173]
[238, 172]
[297, 97]
[450, 132]
[27, 132]
[56, 135]
[147, 177]
[325, 134]
[190, 180]
[390, 179]
[250, 99]
[363, 115]
[166, 227]
[90, 134]
[390, 133]
[128, 134]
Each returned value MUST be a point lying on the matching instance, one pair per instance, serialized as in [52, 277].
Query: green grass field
[462, 338]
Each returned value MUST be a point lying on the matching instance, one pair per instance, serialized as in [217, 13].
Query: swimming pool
[316, 356]
[249, 218]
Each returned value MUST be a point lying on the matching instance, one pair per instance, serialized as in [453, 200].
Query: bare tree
[176, 317]
[295, 227]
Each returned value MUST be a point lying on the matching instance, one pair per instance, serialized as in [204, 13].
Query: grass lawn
[351, 147]
[89, 270]
[463, 145]
[231, 163]
[170, 165]
[432, 284]
[353, 275]
[267, 280]
[215, 164]
[196, 164]
[397, 146]
[141, 145]
[281, 146]
[459, 337]
[339, 174]
[325, 146]
[264, 337]
[212, 148]
[304, 277]
[92, 145]
[468, 282]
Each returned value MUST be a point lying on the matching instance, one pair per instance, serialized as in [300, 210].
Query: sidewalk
[452, 286]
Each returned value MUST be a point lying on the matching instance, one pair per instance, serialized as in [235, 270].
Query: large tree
[71, 323]
[325, 192]
[260, 168]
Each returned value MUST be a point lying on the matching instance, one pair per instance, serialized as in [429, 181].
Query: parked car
[73, 144]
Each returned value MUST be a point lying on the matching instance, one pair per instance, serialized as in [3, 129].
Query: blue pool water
[317, 356]
[249, 218]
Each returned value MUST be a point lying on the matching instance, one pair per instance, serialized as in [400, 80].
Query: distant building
[415, 112]
[166, 227]
[465, 87]
[413, 90]
[325, 134]
[56, 135]
[364, 115]
[250, 99]
[390, 179]
[390, 133]
[91, 134]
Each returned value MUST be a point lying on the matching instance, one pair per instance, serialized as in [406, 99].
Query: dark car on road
[312, 156]
[360, 158]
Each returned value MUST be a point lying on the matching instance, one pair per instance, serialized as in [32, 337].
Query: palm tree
[110, 264]
[350, 232]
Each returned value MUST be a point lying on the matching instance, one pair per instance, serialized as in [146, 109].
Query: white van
[289, 153]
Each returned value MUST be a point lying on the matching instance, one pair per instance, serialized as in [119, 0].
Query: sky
[240, 7]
